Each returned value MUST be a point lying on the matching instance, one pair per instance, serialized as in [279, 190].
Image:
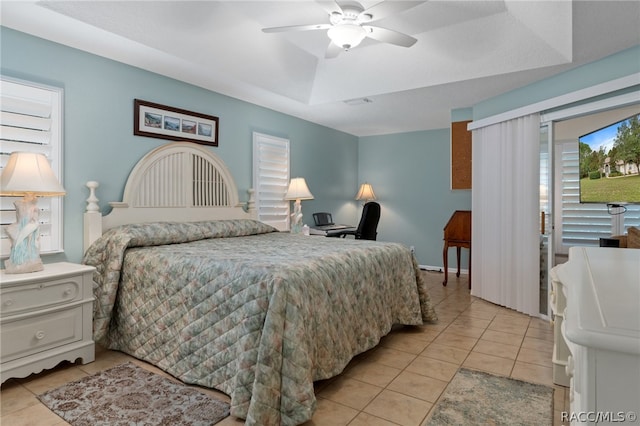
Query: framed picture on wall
[165, 122]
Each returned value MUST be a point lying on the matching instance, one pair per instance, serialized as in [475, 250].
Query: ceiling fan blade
[297, 28]
[333, 50]
[389, 36]
[386, 8]
[330, 6]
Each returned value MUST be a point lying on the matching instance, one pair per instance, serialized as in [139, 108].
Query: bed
[188, 280]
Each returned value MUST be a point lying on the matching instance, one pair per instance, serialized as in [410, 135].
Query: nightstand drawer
[39, 333]
[40, 295]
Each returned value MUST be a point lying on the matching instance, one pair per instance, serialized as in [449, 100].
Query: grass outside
[618, 189]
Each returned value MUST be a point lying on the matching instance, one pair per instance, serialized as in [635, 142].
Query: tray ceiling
[467, 51]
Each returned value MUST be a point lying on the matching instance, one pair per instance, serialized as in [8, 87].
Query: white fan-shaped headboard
[180, 174]
[177, 182]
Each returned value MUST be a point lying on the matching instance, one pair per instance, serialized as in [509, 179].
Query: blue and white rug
[130, 395]
[478, 398]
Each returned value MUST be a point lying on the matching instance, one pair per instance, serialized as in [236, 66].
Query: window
[271, 179]
[31, 120]
[582, 224]
[575, 223]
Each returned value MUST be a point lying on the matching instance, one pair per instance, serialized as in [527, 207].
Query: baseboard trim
[431, 268]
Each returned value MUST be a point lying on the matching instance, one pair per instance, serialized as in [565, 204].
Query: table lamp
[29, 175]
[298, 190]
[365, 193]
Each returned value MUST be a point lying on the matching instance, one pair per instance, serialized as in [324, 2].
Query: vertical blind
[271, 179]
[505, 204]
[31, 120]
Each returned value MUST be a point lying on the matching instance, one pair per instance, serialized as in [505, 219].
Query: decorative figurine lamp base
[298, 190]
[29, 175]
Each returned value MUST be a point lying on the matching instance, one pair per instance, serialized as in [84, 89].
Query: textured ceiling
[467, 51]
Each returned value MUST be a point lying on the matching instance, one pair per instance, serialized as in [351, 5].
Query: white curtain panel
[505, 208]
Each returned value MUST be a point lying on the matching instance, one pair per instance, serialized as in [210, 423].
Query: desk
[331, 232]
[457, 233]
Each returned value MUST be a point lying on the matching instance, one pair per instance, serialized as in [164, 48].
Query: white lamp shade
[366, 192]
[29, 173]
[347, 36]
[298, 190]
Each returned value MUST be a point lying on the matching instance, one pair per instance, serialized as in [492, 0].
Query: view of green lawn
[618, 189]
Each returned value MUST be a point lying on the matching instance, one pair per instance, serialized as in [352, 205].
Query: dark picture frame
[165, 122]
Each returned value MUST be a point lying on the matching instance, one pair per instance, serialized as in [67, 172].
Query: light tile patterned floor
[396, 383]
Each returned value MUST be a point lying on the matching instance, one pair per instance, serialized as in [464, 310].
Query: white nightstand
[45, 317]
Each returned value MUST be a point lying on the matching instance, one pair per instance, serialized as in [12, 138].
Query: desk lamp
[365, 193]
[298, 190]
[29, 175]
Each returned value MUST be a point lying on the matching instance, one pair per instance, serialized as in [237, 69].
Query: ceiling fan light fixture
[347, 36]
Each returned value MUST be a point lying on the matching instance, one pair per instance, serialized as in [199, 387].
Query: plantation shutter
[632, 216]
[581, 224]
[271, 179]
[31, 120]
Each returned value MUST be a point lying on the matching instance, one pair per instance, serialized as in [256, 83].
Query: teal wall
[408, 171]
[615, 66]
[410, 175]
[98, 130]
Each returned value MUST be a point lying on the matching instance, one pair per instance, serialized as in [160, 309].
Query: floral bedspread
[258, 314]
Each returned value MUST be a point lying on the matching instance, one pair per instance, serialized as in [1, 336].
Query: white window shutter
[632, 216]
[271, 179]
[31, 120]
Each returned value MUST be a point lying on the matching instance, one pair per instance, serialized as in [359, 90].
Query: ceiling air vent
[359, 101]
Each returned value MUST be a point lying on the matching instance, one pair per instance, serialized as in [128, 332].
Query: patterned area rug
[474, 397]
[127, 395]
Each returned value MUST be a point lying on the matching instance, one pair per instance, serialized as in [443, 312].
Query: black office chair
[367, 228]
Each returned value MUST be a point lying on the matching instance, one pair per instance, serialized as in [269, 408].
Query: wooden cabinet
[45, 317]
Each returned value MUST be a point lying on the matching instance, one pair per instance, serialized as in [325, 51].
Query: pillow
[633, 239]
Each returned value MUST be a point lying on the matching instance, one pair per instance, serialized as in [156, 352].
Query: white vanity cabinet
[601, 329]
[45, 317]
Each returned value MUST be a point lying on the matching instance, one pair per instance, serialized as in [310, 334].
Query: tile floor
[396, 383]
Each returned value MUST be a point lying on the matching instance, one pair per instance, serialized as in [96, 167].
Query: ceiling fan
[349, 25]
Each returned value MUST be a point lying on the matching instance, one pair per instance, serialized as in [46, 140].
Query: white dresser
[601, 329]
[560, 357]
[45, 317]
